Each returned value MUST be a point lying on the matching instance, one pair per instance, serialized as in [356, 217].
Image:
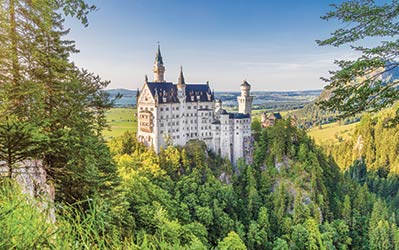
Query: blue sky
[270, 43]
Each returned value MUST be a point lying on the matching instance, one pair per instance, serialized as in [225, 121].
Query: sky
[269, 43]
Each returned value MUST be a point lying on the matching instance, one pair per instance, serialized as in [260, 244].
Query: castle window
[200, 106]
[189, 107]
[152, 109]
[177, 108]
[195, 107]
[161, 124]
[161, 116]
[167, 109]
[178, 137]
[161, 109]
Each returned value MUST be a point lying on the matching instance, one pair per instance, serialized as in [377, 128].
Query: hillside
[189, 198]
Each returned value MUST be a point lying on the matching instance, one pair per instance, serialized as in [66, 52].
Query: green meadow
[331, 132]
[119, 121]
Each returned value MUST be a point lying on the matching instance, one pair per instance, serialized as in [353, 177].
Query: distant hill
[128, 97]
[262, 98]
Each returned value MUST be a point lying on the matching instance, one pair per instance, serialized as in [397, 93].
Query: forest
[119, 194]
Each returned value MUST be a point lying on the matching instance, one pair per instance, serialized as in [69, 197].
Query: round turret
[245, 88]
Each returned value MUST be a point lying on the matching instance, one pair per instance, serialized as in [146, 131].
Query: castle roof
[181, 78]
[168, 90]
[245, 83]
[238, 116]
[276, 115]
[158, 56]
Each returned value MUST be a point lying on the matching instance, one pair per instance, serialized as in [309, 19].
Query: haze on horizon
[269, 43]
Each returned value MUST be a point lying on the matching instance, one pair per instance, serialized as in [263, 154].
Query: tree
[18, 141]
[44, 89]
[380, 236]
[280, 244]
[362, 84]
[301, 211]
[314, 238]
[231, 242]
[346, 210]
[299, 237]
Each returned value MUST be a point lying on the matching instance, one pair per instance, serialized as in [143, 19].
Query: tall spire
[158, 56]
[159, 68]
[181, 77]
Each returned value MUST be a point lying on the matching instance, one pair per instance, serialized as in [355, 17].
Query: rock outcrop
[32, 179]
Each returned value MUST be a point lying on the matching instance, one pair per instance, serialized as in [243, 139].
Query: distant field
[331, 132]
[120, 120]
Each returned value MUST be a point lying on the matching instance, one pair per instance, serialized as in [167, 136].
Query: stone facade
[173, 114]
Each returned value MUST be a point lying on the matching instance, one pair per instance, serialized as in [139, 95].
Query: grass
[120, 120]
[331, 131]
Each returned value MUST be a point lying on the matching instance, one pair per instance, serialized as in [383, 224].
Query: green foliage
[292, 198]
[231, 242]
[362, 85]
[18, 141]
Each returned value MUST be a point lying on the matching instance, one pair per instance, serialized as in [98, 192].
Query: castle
[173, 114]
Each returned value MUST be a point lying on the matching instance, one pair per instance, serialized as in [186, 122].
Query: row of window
[188, 107]
[177, 136]
[146, 108]
[167, 109]
[206, 114]
[177, 116]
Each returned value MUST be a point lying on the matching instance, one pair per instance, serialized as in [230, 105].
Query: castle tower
[218, 105]
[159, 68]
[181, 87]
[245, 100]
